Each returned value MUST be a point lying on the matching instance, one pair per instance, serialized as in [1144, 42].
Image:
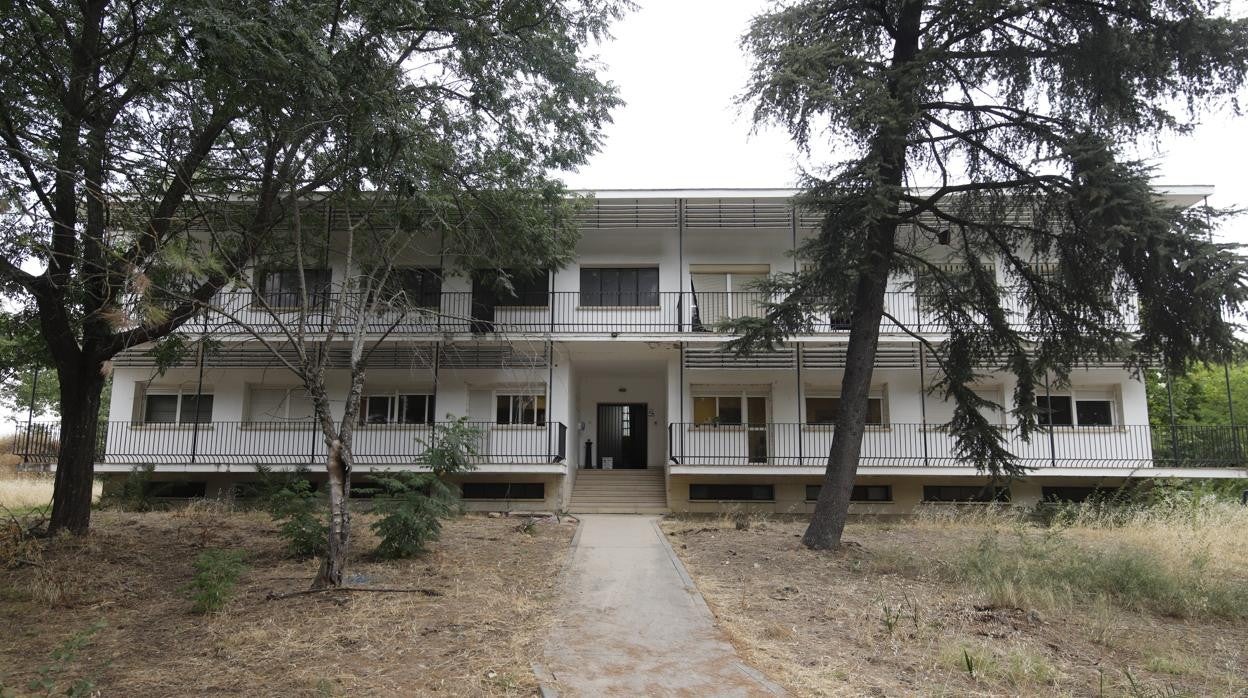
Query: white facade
[536, 379]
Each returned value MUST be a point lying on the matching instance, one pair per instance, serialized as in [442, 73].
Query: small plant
[968, 662]
[137, 492]
[61, 659]
[451, 448]
[891, 617]
[216, 575]
[299, 512]
[411, 510]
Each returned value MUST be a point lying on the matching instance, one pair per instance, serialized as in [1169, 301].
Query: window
[1093, 408]
[421, 288]
[503, 490]
[520, 409]
[527, 288]
[1073, 494]
[415, 408]
[176, 408]
[717, 410]
[720, 293]
[280, 287]
[271, 404]
[824, 410]
[620, 286]
[738, 493]
[860, 493]
[965, 493]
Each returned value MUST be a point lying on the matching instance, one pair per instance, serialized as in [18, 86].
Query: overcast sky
[679, 67]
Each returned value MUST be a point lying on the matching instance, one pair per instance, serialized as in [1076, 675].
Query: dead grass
[474, 631]
[22, 492]
[895, 612]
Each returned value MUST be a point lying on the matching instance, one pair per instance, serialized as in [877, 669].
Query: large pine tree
[1018, 115]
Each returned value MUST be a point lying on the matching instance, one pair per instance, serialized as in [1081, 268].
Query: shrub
[411, 511]
[300, 516]
[451, 448]
[137, 492]
[60, 661]
[216, 575]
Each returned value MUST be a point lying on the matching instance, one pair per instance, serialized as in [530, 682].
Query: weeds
[62, 658]
[300, 516]
[216, 575]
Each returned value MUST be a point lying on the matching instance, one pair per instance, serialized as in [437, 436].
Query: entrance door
[622, 435]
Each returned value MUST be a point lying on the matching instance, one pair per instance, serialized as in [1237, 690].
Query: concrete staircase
[623, 491]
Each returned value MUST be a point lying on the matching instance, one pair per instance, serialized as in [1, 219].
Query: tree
[131, 128]
[25, 369]
[1017, 114]
[1199, 396]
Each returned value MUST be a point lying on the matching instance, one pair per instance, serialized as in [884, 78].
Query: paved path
[631, 623]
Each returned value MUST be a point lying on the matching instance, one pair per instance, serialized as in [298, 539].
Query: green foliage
[1018, 115]
[61, 659]
[1200, 395]
[216, 575]
[1042, 572]
[451, 447]
[137, 492]
[15, 392]
[300, 514]
[411, 511]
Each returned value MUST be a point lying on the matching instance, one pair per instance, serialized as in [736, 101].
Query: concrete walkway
[632, 623]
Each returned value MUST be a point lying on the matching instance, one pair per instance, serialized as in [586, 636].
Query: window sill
[1082, 429]
[518, 307]
[718, 427]
[735, 501]
[164, 426]
[277, 426]
[519, 427]
[394, 426]
[832, 427]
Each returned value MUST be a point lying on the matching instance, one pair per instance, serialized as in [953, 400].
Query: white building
[603, 386]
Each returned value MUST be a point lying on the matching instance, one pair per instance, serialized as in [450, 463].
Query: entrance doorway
[622, 435]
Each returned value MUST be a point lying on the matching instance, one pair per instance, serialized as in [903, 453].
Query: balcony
[559, 313]
[292, 443]
[919, 445]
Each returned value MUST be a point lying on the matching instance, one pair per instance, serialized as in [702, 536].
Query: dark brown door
[622, 435]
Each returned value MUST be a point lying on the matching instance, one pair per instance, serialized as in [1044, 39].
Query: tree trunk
[334, 565]
[75, 463]
[888, 149]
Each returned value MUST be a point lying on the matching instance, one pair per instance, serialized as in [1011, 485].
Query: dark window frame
[965, 494]
[529, 288]
[188, 408]
[731, 492]
[608, 287]
[319, 282]
[528, 491]
[421, 286]
[809, 413]
[514, 413]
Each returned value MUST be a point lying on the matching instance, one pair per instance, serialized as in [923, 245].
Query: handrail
[794, 444]
[294, 443]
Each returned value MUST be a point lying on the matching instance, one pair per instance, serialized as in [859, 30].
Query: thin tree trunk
[334, 565]
[75, 463]
[889, 150]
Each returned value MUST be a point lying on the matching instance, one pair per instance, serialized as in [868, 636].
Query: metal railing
[292, 443]
[559, 312]
[796, 444]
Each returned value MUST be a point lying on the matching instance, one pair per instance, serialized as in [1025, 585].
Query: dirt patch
[475, 629]
[882, 617]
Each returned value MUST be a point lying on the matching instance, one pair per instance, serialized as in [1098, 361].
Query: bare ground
[474, 630]
[882, 618]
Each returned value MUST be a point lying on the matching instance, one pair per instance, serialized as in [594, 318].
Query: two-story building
[604, 386]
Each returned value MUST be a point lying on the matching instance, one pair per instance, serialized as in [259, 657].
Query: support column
[1052, 444]
[923, 403]
[1230, 409]
[199, 388]
[1174, 433]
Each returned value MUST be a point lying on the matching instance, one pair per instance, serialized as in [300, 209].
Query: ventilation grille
[885, 357]
[717, 358]
[393, 356]
[637, 213]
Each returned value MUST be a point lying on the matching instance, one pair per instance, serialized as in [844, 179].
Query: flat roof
[1194, 192]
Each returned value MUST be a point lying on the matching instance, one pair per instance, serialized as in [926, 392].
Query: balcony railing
[291, 443]
[560, 312]
[793, 444]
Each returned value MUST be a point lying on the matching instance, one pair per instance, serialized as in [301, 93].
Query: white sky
[679, 67]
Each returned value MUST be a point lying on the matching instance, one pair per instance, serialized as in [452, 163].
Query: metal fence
[928, 445]
[559, 312]
[293, 443]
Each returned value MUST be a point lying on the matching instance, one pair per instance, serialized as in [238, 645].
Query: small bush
[300, 516]
[451, 448]
[411, 510]
[137, 492]
[60, 661]
[216, 575]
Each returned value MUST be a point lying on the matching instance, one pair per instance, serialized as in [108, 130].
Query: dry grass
[31, 491]
[897, 612]
[475, 631]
